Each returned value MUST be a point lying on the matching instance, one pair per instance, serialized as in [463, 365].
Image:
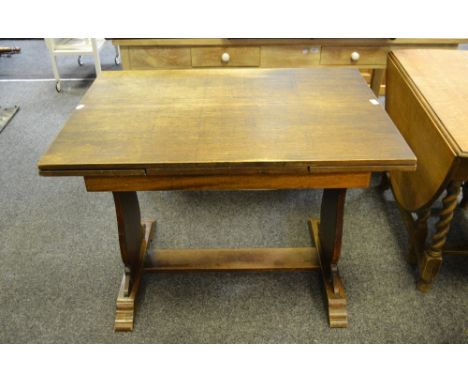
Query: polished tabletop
[440, 76]
[275, 120]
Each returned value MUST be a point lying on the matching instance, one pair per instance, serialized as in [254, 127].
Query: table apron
[226, 182]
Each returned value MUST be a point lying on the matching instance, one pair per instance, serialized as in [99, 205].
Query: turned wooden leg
[327, 236]
[464, 201]
[417, 239]
[134, 238]
[431, 259]
[376, 80]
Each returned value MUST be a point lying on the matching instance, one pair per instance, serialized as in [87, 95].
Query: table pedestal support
[327, 236]
[135, 236]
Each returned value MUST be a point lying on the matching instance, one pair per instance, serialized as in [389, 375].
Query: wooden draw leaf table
[228, 129]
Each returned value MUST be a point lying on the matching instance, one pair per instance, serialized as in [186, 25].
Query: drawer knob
[355, 56]
[225, 57]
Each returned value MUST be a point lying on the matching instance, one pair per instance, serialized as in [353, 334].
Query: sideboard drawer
[159, 58]
[295, 56]
[226, 56]
[353, 56]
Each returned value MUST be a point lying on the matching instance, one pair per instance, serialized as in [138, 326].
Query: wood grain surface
[238, 56]
[439, 77]
[157, 57]
[308, 118]
[230, 259]
[226, 182]
[296, 56]
[419, 188]
[342, 56]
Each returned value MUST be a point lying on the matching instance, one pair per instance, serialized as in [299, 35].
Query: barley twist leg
[432, 257]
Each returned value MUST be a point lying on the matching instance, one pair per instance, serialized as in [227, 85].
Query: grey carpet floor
[60, 267]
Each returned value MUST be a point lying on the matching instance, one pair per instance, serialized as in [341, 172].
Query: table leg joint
[334, 290]
[128, 292]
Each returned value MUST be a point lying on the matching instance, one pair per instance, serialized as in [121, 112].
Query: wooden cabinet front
[290, 56]
[358, 56]
[159, 58]
[220, 56]
[368, 55]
